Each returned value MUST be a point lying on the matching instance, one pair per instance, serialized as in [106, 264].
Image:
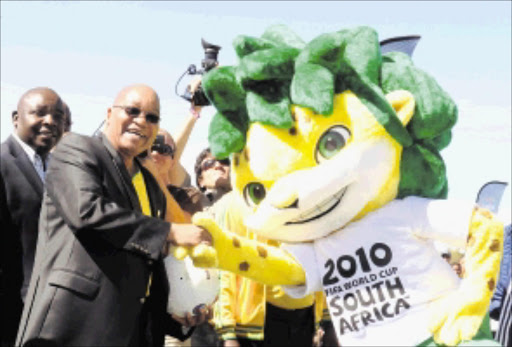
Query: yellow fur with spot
[290, 165]
[470, 303]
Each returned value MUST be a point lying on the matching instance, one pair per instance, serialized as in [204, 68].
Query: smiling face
[39, 120]
[128, 132]
[308, 181]
[215, 174]
[162, 154]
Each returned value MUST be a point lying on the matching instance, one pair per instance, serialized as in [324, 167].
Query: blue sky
[88, 51]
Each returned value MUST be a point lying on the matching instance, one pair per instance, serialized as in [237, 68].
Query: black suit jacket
[21, 191]
[95, 253]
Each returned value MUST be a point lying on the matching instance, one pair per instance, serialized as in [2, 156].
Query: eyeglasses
[163, 149]
[209, 163]
[135, 112]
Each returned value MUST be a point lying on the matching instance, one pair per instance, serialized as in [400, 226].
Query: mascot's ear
[403, 103]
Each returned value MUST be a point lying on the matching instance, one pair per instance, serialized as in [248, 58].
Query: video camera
[209, 62]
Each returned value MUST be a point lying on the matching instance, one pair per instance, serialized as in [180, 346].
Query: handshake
[225, 250]
[192, 289]
[206, 234]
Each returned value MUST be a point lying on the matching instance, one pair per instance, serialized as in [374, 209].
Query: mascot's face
[305, 182]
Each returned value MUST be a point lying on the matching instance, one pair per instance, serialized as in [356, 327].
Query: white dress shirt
[34, 158]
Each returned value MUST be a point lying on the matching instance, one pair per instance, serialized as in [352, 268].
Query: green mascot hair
[279, 69]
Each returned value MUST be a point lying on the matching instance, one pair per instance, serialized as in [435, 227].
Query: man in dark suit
[38, 125]
[98, 279]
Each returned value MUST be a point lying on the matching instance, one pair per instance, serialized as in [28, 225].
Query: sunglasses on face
[135, 112]
[163, 149]
[209, 163]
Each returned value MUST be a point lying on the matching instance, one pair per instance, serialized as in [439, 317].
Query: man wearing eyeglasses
[98, 278]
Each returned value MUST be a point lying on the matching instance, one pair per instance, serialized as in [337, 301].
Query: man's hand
[317, 338]
[193, 86]
[188, 235]
[202, 315]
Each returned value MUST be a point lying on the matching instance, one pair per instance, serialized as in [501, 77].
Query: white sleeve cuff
[304, 254]
[447, 221]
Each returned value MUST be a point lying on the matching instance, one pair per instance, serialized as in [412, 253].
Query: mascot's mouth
[319, 210]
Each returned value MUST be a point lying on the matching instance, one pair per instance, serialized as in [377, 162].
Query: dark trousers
[11, 308]
[205, 335]
[285, 328]
[289, 327]
[249, 343]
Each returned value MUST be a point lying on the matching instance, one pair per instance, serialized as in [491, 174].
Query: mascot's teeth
[319, 210]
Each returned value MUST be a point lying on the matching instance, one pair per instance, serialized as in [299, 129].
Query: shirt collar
[31, 153]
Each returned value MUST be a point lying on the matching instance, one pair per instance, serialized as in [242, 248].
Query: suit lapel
[125, 179]
[23, 162]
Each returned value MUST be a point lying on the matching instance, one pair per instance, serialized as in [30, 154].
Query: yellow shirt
[142, 194]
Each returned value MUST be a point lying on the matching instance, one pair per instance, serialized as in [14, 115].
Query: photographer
[178, 176]
[195, 95]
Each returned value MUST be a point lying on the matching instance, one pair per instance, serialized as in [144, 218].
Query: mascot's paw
[458, 316]
[202, 255]
[179, 252]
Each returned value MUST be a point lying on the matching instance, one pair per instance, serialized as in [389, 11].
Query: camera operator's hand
[196, 82]
[195, 110]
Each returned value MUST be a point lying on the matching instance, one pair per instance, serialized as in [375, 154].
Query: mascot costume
[335, 154]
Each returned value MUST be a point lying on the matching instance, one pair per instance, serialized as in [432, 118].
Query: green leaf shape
[225, 137]
[353, 56]
[280, 34]
[439, 142]
[354, 49]
[269, 64]
[313, 86]
[435, 111]
[223, 90]
[325, 50]
[362, 53]
[422, 173]
[276, 113]
[245, 45]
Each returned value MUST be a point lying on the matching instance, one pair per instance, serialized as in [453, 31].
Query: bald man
[24, 156]
[67, 118]
[99, 276]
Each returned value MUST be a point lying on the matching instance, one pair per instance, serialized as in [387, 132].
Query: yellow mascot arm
[459, 316]
[249, 258]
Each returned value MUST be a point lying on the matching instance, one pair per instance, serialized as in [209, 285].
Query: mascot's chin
[189, 287]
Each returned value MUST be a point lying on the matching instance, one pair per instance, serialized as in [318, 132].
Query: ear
[200, 183]
[109, 114]
[15, 118]
[403, 103]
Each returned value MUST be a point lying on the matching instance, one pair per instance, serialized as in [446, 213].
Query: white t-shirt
[379, 273]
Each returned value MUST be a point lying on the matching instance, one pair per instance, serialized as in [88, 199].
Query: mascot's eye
[254, 193]
[331, 142]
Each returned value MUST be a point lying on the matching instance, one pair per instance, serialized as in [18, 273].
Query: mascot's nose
[281, 197]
